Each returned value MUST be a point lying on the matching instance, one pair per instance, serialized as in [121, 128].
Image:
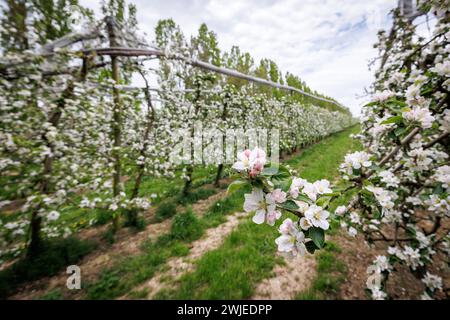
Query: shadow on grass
[54, 256]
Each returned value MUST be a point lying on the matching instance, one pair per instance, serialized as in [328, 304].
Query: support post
[117, 118]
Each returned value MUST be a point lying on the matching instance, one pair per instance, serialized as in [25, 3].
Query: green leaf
[283, 185]
[317, 235]
[311, 247]
[289, 205]
[396, 102]
[270, 171]
[323, 201]
[257, 183]
[399, 131]
[336, 193]
[370, 104]
[394, 119]
[438, 189]
[281, 172]
[282, 179]
[304, 198]
[235, 185]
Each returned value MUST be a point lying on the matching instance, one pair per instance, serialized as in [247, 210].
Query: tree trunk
[188, 182]
[35, 235]
[219, 175]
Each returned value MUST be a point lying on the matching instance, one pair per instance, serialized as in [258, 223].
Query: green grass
[165, 210]
[321, 160]
[195, 195]
[248, 254]
[227, 273]
[331, 273]
[186, 227]
[52, 295]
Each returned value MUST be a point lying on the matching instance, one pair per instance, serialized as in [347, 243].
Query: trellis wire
[113, 51]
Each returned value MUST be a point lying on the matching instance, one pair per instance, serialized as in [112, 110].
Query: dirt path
[295, 276]
[176, 267]
[104, 257]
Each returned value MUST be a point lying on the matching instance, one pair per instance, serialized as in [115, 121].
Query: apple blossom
[322, 186]
[352, 232]
[278, 196]
[340, 210]
[53, 215]
[291, 239]
[263, 206]
[420, 115]
[310, 190]
[317, 216]
[432, 282]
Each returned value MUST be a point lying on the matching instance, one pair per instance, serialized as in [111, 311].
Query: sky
[327, 43]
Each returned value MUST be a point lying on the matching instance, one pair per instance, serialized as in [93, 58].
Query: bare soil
[402, 284]
[295, 276]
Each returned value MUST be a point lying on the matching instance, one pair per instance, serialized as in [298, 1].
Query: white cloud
[327, 43]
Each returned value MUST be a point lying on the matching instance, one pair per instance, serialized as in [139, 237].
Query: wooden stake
[117, 118]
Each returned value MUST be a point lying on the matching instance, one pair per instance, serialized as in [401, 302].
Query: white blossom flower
[382, 263]
[445, 121]
[317, 216]
[310, 190]
[384, 197]
[354, 218]
[302, 206]
[291, 239]
[296, 185]
[412, 257]
[352, 232]
[113, 207]
[420, 115]
[432, 282]
[424, 241]
[253, 161]
[11, 225]
[356, 160]
[378, 294]
[263, 206]
[278, 196]
[244, 161]
[382, 96]
[389, 178]
[304, 223]
[53, 215]
[442, 69]
[442, 175]
[436, 204]
[323, 186]
[340, 211]
[394, 251]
